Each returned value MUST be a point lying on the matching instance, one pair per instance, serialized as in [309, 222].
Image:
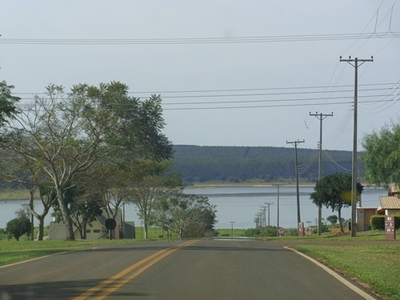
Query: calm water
[239, 204]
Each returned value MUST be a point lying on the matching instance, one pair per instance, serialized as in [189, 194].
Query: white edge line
[336, 275]
[32, 259]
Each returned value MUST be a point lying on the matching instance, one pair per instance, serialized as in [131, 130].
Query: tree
[70, 133]
[19, 171]
[148, 191]
[334, 191]
[187, 215]
[7, 103]
[332, 219]
[85, 205]
[19, 225]
[382, 155]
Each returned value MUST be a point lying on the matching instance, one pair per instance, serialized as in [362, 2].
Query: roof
[366, 208]
[389, 202]
[393, 189]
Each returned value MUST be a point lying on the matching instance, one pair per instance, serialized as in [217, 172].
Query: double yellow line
[107, 287]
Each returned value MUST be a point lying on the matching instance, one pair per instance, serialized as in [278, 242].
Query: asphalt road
[202, 269]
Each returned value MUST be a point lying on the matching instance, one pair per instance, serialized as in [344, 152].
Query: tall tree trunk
[84, 226]
[31, 210]
[41, 227]
[146, 233]
[69, 232]
[340, 220]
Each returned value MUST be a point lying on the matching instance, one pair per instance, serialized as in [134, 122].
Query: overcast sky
[219, 86]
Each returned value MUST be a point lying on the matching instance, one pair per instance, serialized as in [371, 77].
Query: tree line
[91, 150]
[269, 164]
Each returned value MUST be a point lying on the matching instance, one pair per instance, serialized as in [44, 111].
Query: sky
[230, 73]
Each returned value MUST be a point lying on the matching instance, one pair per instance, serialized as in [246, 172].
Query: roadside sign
[110, 224]
[281, 231]
[301, 228]
[390, 230]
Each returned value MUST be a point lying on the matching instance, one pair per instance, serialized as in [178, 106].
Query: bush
[19, 226]
[3, 234]
[397, 221]
[252, 232]
[378, 222]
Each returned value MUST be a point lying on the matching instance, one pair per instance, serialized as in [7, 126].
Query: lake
[239, 205]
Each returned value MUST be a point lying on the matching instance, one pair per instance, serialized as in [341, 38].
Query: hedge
[377, 222]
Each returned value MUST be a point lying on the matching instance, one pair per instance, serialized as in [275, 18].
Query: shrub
[19, 226]
[3, 234]
[252, 232]
[377, 222]
[397, 221]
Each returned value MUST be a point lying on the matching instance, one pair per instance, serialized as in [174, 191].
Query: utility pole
[295, 143]
[269, 211]
[264, 218]
[355, 62]
[277, 205]
[321, 117]
[232, 222]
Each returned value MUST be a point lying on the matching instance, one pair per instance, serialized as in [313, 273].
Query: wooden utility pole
[277, 205]
[355, 62]
[321, 117]
[295, 143]
[232, 222]
[269, 211]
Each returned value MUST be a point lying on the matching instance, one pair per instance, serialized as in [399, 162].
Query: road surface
[198, 269]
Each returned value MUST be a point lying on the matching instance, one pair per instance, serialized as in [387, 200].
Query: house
[363, 217]
[390, 205]
[96, 229]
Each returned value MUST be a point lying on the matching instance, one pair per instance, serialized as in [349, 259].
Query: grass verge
[374, 265]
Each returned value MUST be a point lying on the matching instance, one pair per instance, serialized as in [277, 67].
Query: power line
[24, 107]
[201, 40]
[237, 90]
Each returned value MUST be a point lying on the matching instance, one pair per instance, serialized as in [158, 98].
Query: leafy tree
[332, 219]
[7, 102]
[151, 189]
[187, 215]
[334, 191]
[65, 135]
[19, 225]
[382, 155]
[18, 170]
[85, 205]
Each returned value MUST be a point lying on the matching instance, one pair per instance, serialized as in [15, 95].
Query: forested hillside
[237, 164]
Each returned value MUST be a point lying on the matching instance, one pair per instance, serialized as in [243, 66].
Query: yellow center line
[100, 286]
[103, 294]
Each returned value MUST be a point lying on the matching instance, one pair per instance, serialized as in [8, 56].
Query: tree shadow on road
[51, 290]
